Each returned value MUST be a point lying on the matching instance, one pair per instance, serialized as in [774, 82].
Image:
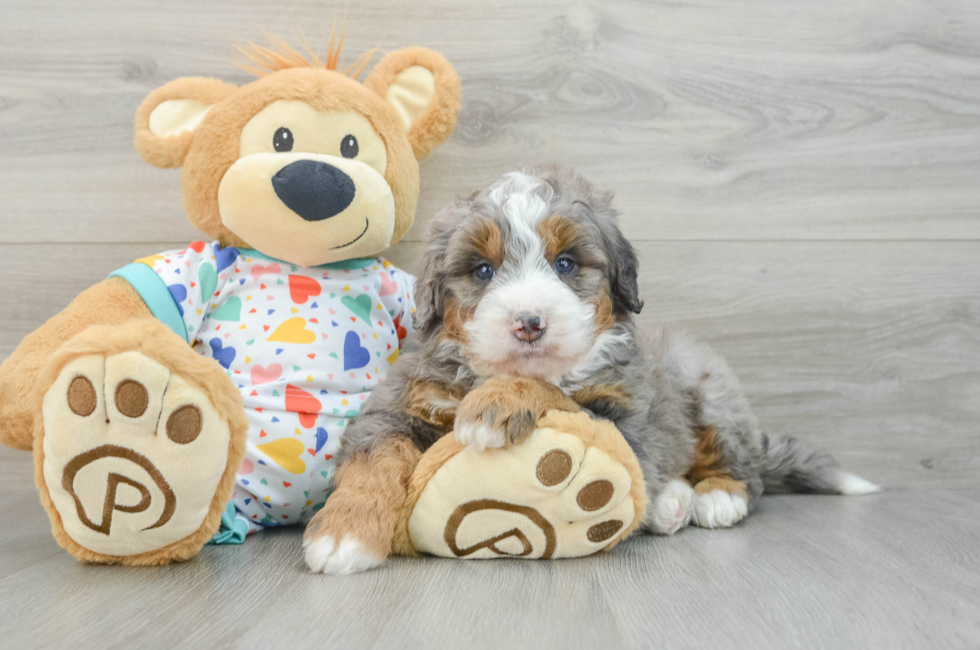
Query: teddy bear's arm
[110, 302]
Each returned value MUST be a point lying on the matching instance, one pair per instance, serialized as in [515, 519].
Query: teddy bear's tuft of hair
[279, 55]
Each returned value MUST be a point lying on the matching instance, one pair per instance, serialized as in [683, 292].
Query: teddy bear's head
[306, 164]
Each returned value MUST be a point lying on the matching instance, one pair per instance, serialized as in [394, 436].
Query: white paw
[671, 510]
[718, 509]
[478, 435]
[325, 556]
[853, 485]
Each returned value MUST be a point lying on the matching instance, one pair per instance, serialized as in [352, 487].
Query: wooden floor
[802, 182]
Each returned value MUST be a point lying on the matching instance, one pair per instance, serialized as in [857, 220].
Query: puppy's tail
[792, 465]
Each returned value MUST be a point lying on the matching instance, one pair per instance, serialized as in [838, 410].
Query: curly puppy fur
[497, 304]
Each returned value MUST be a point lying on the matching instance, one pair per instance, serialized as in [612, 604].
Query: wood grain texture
[800, 181]
[744, 119]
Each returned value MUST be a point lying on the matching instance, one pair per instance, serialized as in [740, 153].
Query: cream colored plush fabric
[126, 485]
[552, 496]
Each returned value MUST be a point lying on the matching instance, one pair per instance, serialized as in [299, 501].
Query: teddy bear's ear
[424, 89]
[166, 119]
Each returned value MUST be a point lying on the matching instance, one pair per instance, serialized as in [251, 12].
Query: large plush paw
[132, 454]
[326, 555]
[719, 506]
[671, 509]
[551, 496]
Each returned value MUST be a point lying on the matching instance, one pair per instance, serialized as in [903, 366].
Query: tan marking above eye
[313, 132]
[554, 467]
[184, 425]
[558, 233]
[595, 495]
[131, 398]
[81, 396]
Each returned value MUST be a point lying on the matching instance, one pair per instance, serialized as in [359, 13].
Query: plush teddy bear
[212, 384]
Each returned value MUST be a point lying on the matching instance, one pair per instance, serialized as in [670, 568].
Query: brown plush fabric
[170, 152]
[437, 123]
[110, 302]
[153, 339]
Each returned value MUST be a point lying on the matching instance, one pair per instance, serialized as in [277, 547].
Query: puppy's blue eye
[564, 265]
[483, 272]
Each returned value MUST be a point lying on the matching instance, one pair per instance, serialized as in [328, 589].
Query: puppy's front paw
[505, 410]
[479, 435]
[493, 426]
[325, 555]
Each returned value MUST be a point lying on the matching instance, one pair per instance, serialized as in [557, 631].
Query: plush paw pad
[718, 509]
[551, 496]
[671, 509]
[132, 453]
[325, 555]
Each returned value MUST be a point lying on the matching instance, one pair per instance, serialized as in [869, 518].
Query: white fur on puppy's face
[526, 282]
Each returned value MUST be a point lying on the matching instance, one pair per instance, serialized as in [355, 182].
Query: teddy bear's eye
[348, 146]
[283, 139]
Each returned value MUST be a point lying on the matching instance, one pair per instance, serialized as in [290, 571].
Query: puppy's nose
[314, 190]
[529, 327]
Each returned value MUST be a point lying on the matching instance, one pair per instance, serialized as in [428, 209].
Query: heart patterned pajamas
[304, 345]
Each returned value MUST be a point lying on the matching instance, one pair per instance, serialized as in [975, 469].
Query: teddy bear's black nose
[313, 190]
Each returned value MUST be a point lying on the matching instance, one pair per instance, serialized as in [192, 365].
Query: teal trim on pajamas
[154, 292]
[233, 528]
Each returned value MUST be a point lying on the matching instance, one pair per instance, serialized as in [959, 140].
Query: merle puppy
[525, 299]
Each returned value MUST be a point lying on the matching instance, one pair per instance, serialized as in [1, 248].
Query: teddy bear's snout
[314, 190]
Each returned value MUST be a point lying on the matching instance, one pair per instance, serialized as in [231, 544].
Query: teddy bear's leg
[109, 302]
[354, 530]
[136, 445]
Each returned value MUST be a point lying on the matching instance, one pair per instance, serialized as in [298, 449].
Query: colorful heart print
[209, 282]
[293, 331]
[179, 293]
[361, 306]
[231, 310]
[388, 285]
[225, 257]
[262, 375]
[302, 287]
[355, 355]
[302, 403]
[221, 354]
[258, 270]
[285, 452]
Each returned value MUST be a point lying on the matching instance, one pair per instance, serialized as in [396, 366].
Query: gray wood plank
[712, 120]
[892, 570]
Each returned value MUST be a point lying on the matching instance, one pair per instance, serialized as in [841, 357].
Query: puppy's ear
[166, 119]
[430, 285]
[623, 267]
[424, 89]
